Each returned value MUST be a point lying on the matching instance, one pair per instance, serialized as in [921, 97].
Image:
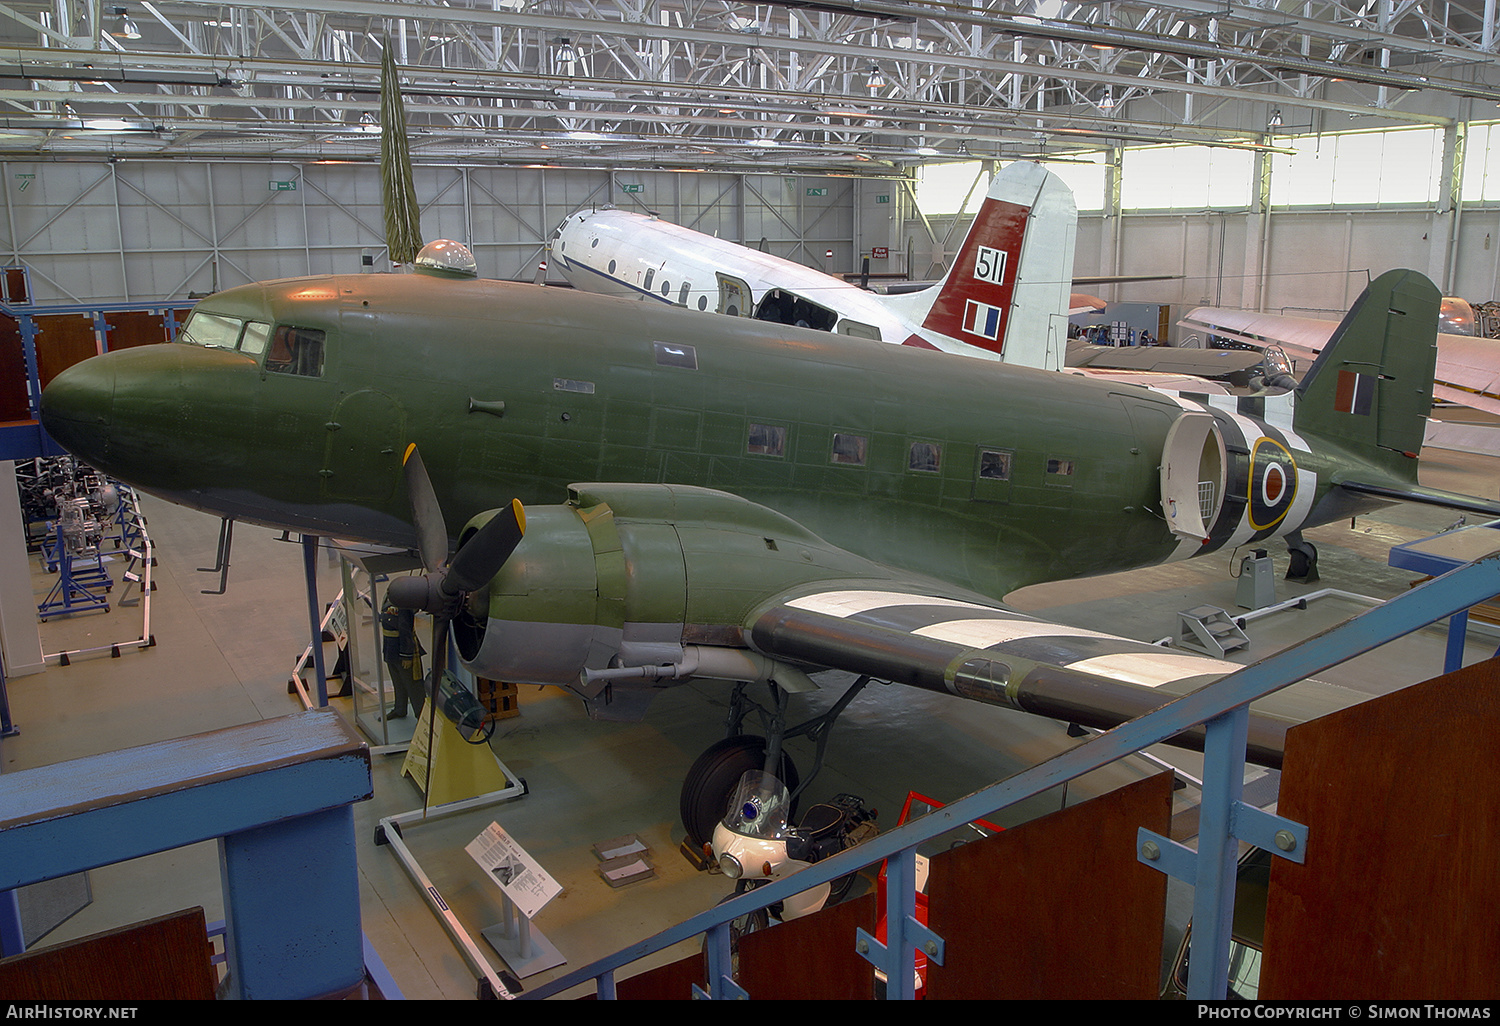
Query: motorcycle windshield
[759, 806]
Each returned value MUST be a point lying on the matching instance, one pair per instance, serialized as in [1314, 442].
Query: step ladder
[1211, 630]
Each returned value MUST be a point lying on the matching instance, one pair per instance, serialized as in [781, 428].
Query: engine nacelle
[537, 621]
[641, 584]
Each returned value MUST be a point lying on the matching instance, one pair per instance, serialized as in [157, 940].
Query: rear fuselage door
[1193, 475]
[734, 295]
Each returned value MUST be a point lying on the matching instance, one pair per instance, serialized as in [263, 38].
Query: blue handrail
[1223, 707]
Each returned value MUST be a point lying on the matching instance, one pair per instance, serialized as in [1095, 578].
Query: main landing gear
[712, 779]
[1304, 562]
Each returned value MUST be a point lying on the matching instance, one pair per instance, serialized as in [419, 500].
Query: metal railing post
[1218, 851]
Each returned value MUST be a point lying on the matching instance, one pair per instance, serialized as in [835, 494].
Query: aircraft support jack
[221, 557]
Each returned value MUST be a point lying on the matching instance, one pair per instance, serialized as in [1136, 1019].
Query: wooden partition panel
[13, 395]
[671, 982]
[810, 958]
[131, 328]
[63, 340]
[1055, 908]
[1398, 896]
[161, 959]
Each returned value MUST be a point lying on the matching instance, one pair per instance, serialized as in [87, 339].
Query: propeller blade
[481, 557]
[432, 532]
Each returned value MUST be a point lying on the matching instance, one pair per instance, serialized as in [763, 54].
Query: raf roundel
[1273, 483]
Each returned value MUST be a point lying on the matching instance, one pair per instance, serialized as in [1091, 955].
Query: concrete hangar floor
[222, 660]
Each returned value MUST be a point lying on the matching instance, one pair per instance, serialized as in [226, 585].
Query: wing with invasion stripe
[997, 655]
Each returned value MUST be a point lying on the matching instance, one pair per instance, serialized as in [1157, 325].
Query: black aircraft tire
[1304, 563]
[710, 782]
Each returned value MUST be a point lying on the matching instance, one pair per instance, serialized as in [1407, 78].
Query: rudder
[1008, 288]
[1370, 389]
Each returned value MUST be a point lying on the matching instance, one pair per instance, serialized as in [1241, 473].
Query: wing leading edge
[1001, 657]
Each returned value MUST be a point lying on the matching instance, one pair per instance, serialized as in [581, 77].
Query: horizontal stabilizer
[1428, 496]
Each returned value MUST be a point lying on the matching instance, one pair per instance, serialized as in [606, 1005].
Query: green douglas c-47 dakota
[718, 498]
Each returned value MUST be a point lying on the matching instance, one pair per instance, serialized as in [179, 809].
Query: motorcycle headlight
[730, 866]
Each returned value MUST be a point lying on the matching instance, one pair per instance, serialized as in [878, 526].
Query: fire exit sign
[631, 187]
[283, 186]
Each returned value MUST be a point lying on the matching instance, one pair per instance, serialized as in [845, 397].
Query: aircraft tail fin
[1370, 389]
[1008, 288]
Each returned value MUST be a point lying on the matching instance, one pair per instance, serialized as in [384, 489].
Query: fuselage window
[849, 449]
[926, 457]
[253, 341]
[650, 274]
[296, 351]
[683, 294]
[212, 330]
[994, 466]
[668, 355]
[611, 267]
[702, 302]
[767, 440]
[1059, 468]
[666, 286]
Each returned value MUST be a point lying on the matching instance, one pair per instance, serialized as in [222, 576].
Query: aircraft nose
[77, 406]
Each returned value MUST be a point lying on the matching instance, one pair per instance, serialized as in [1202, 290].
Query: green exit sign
[632, 188]
[883, 199]
[817, 192]
[283, 186]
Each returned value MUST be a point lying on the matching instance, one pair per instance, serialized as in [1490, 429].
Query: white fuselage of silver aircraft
[1006, 295]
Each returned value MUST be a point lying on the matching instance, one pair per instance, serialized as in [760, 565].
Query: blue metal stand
[76, 591]
[310, 568]
[1437, 555]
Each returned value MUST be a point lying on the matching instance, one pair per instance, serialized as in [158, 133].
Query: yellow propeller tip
[411, 447]
[515, 504]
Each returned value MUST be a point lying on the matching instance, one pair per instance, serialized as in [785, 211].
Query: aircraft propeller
[442, 588]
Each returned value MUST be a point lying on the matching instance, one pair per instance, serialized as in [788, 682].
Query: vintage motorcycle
[755, 843]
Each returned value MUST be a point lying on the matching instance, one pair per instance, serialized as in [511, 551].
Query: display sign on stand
[526, 888]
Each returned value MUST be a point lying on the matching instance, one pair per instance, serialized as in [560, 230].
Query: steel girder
[855, 86]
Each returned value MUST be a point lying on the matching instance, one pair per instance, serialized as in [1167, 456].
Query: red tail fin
[976, 297]
[1006, 295]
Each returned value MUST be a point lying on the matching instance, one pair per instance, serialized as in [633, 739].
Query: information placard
[524, 882]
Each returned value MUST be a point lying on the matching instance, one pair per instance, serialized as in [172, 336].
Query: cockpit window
[253, 341]
[213, 330]
[217, 331]
[296, 351]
